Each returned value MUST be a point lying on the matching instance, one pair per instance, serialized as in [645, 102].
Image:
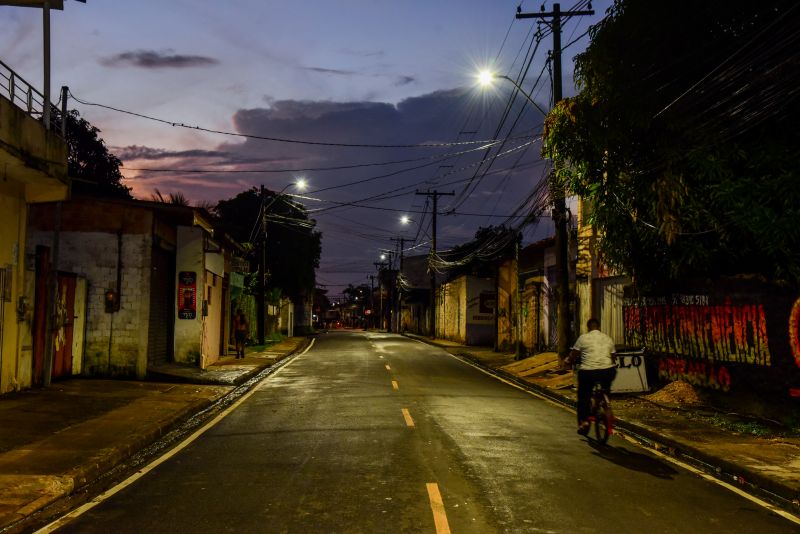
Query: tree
[293, 247]
[175, 199]
[93, 169]
[682, 139]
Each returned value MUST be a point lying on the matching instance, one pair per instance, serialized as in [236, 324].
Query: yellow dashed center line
[437, 507]
[395, 385]
[407, 417]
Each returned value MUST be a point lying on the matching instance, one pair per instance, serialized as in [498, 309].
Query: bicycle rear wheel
[603, 421]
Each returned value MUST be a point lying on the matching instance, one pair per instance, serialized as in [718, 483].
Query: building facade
[33, 166]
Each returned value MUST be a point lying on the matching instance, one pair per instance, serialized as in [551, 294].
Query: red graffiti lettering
[794, 331]
[723, 332]
[698, 373]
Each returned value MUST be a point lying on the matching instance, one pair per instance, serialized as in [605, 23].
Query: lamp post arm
[521, 90]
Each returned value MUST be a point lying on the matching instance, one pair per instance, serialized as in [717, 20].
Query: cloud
[144, 152]
[150, 59]
[404, 80]
[337, 72]
[438, 117]
[363, 53]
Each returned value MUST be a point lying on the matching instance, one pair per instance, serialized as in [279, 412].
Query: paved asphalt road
[325, 445]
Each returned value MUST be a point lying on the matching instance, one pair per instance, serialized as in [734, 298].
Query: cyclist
[595, 354]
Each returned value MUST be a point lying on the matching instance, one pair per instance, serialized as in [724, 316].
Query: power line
[306, 169]
[279, 139]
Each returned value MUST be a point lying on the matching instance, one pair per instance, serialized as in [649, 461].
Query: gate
[609, 301]
[162, 313]
[63, 326]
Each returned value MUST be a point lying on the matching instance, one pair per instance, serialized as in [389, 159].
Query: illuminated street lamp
[300, 184]
[558, 195]
[486, 77]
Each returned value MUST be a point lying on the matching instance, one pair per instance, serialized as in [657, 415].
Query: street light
[558, 195]
[405, 219]
[300, 184]
[486, 77]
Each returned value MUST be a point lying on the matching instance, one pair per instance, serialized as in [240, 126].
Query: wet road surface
[367, 431]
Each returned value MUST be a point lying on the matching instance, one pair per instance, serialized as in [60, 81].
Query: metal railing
[26, 97]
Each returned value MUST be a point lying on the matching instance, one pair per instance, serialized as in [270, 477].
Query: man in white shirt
[595, 354]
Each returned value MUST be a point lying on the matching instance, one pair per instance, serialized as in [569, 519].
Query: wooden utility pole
[372, 299]
[558, 194]
[401, 242]
[435, 195]
[380, 266]
[262, 268]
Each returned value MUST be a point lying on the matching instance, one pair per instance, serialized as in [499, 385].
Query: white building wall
[189, 332]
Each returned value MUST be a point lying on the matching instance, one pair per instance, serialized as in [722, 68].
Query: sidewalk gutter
[748, 480]
[117, 436]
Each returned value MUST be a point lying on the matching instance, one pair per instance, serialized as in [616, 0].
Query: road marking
[407, 417]
[395, 385]
[387, 367]
[752, 498]
[437, 507]
[74, 514]
[710, 478]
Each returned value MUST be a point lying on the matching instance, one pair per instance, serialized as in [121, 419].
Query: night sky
[377, 74]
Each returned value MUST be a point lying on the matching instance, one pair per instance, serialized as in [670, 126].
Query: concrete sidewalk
[766, 467]
[57, 439]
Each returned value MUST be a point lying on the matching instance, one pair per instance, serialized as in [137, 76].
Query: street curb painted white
[632, 439]
[77, 512]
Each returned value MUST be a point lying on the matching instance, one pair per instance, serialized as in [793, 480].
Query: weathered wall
[465, 310]
[724, 335]
[32, 155]
[451, 310]
[480, 309]
[507, 305]
[116, 343]
[15, 337]
[533, 317]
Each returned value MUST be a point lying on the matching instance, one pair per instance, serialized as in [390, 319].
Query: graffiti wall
[723, 336]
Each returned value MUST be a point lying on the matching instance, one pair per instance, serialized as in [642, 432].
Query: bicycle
[600, 414]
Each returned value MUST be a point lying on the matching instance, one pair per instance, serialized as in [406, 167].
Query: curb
[244, 377]
[99, 465]
[748, 480]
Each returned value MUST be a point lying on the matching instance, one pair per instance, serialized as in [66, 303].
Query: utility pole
[371, 299]
[435, 194]
[401, 242]
[262, 271]
[379, 265]
[558, 193]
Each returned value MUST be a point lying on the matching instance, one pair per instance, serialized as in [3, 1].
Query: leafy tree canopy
[293, 247]
[683, 138]
[93, 169]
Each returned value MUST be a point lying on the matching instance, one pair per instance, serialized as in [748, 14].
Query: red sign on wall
[187, 295]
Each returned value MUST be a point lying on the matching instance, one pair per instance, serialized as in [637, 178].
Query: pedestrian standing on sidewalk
[240, 329]
[595, 354]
